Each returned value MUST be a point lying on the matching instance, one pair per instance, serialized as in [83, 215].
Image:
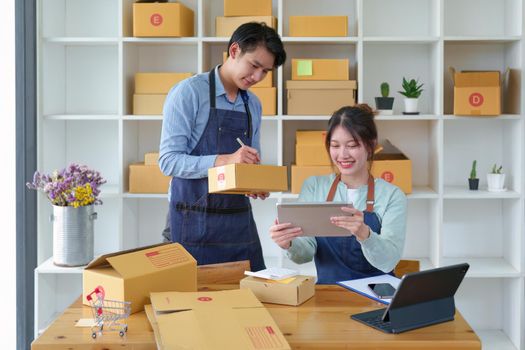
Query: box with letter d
[477, 92]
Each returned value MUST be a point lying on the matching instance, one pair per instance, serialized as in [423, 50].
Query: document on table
[360, 286]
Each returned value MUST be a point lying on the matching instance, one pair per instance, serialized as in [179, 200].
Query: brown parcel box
[268, 98]
[310, 148]
[233, 320]
[393, 166]
[318, 26]
[148, 104]
[157, 83]
[320, 69]
[170, 19]
[132, 274]
[301, 173]
[247, 8]
[319, 97]
[151, 158]
[294, 293]
[247, 178]
[225, 26]
[147, 179]
[477, 93]
[266, 82]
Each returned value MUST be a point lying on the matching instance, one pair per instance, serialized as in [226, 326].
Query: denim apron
[341, 258]
[216, 228]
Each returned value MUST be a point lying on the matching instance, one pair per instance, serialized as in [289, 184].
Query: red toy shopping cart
[109, 315]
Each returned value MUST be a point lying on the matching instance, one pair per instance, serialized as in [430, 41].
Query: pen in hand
[240, 142]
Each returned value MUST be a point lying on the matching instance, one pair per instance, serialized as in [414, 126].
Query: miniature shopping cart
[109, 315]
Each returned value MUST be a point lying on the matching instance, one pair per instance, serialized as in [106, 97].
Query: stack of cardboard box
[314, 26]
[319, 86]
[169, 19]
[146, 177]
[237, 12]
[151, 90]
[311, 157]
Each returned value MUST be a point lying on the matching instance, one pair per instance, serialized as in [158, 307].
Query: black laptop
[422, 299]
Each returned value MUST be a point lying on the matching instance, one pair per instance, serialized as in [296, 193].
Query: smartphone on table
[382, 290]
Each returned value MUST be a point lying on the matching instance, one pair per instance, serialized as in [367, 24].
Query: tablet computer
[313, 218]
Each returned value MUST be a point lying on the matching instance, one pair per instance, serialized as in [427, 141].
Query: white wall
[7, 175]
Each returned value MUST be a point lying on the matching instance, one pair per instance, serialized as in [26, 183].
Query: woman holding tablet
[375, 222]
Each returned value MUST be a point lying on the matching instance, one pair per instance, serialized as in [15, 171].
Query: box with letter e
[391, 165]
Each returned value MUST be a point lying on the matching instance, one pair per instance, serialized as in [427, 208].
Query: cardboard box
[313, 26]
[301, 173]
[477, 93]
[320, 69]
[319, 97]
[247, 178]
[225, 26]
[393, 166]
[151, 158]
[293, 291]
[233, 320]
[131, 275]
[148, 104]
[247, 8]
[169, 19]
[147, 179]
[310, 148]
[268, 98]
[157, 83]
[266, 82]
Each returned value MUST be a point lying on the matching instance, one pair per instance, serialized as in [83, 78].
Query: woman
[376, 222]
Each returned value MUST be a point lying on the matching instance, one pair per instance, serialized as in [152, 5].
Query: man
[203, 117]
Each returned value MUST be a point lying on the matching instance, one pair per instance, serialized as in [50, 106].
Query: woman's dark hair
[358, 120]
[251, 35]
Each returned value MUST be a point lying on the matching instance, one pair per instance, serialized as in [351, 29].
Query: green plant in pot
[496, 179]
[411, 90]
[384, 103]
[473, 181]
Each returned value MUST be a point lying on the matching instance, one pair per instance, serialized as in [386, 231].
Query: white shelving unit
[87, 59]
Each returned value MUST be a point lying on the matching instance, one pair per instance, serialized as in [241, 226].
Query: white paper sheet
[361, 286]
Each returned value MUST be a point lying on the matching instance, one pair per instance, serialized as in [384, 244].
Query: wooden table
[323, 322]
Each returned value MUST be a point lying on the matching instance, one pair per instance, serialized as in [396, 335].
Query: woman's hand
[260, 195]
[282, 234]
[353, 222]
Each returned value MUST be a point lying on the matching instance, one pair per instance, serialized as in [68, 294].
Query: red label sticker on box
[221, 177]
[388, 176]
[204, 299]
[476, 99]
[264, 337]
[156, 19]
[166, 257]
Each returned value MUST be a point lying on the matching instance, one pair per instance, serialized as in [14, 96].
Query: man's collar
[219, 87]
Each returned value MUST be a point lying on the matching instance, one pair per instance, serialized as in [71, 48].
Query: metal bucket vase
[73, 237]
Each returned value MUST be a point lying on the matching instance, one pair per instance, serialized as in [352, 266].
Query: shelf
[142, 117]
[484, 267]
[153, 41]
[494, 340]
[320, 40]
[145, 195]
[402, 39]
[86, 117]
[462, 192]
[402, 117]
[81, 41]
[482, 39]
[476, 118]
[48, 267]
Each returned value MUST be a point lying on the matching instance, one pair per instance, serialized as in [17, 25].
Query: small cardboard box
[247, 178]
[232, 319]
[151, 158]
[393, 166]
[319, 97]
[225, 26]
[266, 82]
[477, 93]
[320, 69]
[148, 104]
[169, 19]
[301, 173]
[292, 291]
[131, 275]
[268, 98]
[247, 8]
[310, 148]
[147, 179]
[313, 26]
[157, 83]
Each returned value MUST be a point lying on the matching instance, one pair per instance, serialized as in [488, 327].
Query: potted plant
[384, 103]
[73, 192]
[496, 179]
[473, 181]
[411, 91]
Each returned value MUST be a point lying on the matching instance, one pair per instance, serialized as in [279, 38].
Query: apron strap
[212, 88]
[369, 197]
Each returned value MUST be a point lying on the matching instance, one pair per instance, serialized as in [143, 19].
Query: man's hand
[245, 154]
[260, 195]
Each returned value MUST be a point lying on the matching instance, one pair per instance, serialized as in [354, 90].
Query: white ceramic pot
[496, 182]
[411, 105]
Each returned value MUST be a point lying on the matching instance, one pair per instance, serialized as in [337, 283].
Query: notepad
[273, 273]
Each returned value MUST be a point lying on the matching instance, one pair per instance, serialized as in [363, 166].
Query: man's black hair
[251, 35]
